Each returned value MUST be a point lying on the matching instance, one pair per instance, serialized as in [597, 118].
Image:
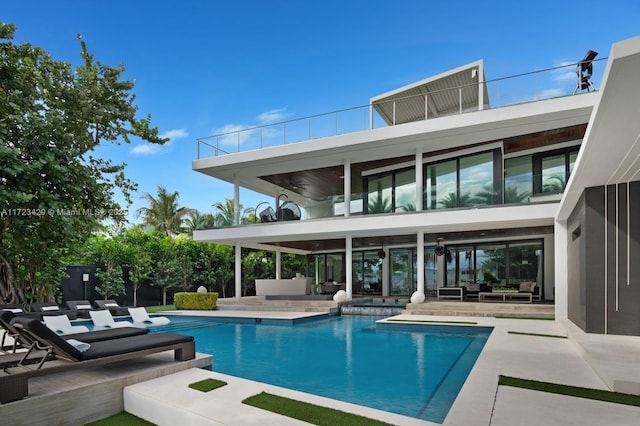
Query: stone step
[481, 309]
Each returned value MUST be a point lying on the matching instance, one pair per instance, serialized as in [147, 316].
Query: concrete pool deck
[585, 360]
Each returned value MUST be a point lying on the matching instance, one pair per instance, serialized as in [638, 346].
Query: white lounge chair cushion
[103, 319]
[83, 306]
[81, 346]
[14, 310]
[111, 305]
[49, 308]
[61, 324]
[140, 315]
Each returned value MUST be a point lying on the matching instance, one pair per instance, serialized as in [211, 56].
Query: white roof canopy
[452, 92]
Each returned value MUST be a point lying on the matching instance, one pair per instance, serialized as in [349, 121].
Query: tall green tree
[225, 215]
[163, 213]
[53, 191]
[198, 220]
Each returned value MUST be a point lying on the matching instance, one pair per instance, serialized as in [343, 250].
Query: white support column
[349, 266]
[278, 263]
[420, 261]
[347, 187]
[238, 274]
[481, 84]
[236, 202]
[419, 180]
[561, 293]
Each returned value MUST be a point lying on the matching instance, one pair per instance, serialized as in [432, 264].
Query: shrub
[196, 301]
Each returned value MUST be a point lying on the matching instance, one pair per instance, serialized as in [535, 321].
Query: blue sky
[201, 67]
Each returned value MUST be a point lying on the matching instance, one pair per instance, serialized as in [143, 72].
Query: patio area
[150, 387]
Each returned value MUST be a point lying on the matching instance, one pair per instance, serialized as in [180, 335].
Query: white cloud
[153, 149]
[146, 149]
[175, 134]
[272, 116]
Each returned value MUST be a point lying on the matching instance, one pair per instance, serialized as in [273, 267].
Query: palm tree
[226, 213]
[163, 213]
[197, 220]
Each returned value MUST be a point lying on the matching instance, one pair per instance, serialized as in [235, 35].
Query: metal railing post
[426, 107]
[394, 113]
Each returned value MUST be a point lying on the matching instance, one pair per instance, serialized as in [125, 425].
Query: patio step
[258, 303]
[484, 309]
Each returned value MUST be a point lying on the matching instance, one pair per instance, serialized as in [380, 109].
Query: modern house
[458, 181]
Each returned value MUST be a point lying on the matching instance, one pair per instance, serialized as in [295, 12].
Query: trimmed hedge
[196, 301]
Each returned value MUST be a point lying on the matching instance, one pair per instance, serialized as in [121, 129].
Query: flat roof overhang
[318, 235]
[396, 141]
[610, 152]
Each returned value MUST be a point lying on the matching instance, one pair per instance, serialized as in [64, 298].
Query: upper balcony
[459, 91]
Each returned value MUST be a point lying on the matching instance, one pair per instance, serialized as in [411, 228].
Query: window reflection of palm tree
[379, 205]
[451, 201]
[555, 183]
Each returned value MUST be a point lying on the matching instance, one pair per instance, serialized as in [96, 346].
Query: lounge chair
[52, 308]
[61, 324]
[140, 316]
[15, 386]
[102, 319]
[112, 306]
[25, 342]
[81, 307]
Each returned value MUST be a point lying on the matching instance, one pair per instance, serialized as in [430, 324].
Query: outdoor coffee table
[504, 296]
[451, 293]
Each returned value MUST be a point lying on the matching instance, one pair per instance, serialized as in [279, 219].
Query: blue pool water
[414, 370]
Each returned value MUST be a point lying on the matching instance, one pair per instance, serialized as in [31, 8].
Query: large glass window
[379, 194]
[518, 179]
[430, 271]
[372, 268]
[554, 173]
[405, 190]
[476, 180]
[442, 185]
[491, 264]
[402, 266]
[461, 266]
[497, 264]
[327, 268]
[461, 182]
[392, 191]
[525, 262]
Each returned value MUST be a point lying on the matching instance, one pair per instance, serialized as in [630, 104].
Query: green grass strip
[121, 419]
[537, 334]
[207, 385]
[154, 309]
[597, 394]
[306, 412]
[434, 321]
[524, 318]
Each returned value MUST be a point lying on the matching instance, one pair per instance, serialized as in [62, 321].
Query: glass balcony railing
[371, 204]
[528, 87]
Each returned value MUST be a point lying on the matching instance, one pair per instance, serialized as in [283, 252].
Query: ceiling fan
[296, 184]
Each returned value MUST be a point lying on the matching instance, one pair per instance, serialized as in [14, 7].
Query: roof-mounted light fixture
[584, 70]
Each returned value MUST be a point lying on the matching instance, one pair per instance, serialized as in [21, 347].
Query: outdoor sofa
[14, 385]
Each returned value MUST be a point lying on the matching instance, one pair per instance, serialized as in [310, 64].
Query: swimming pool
[413, 370]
